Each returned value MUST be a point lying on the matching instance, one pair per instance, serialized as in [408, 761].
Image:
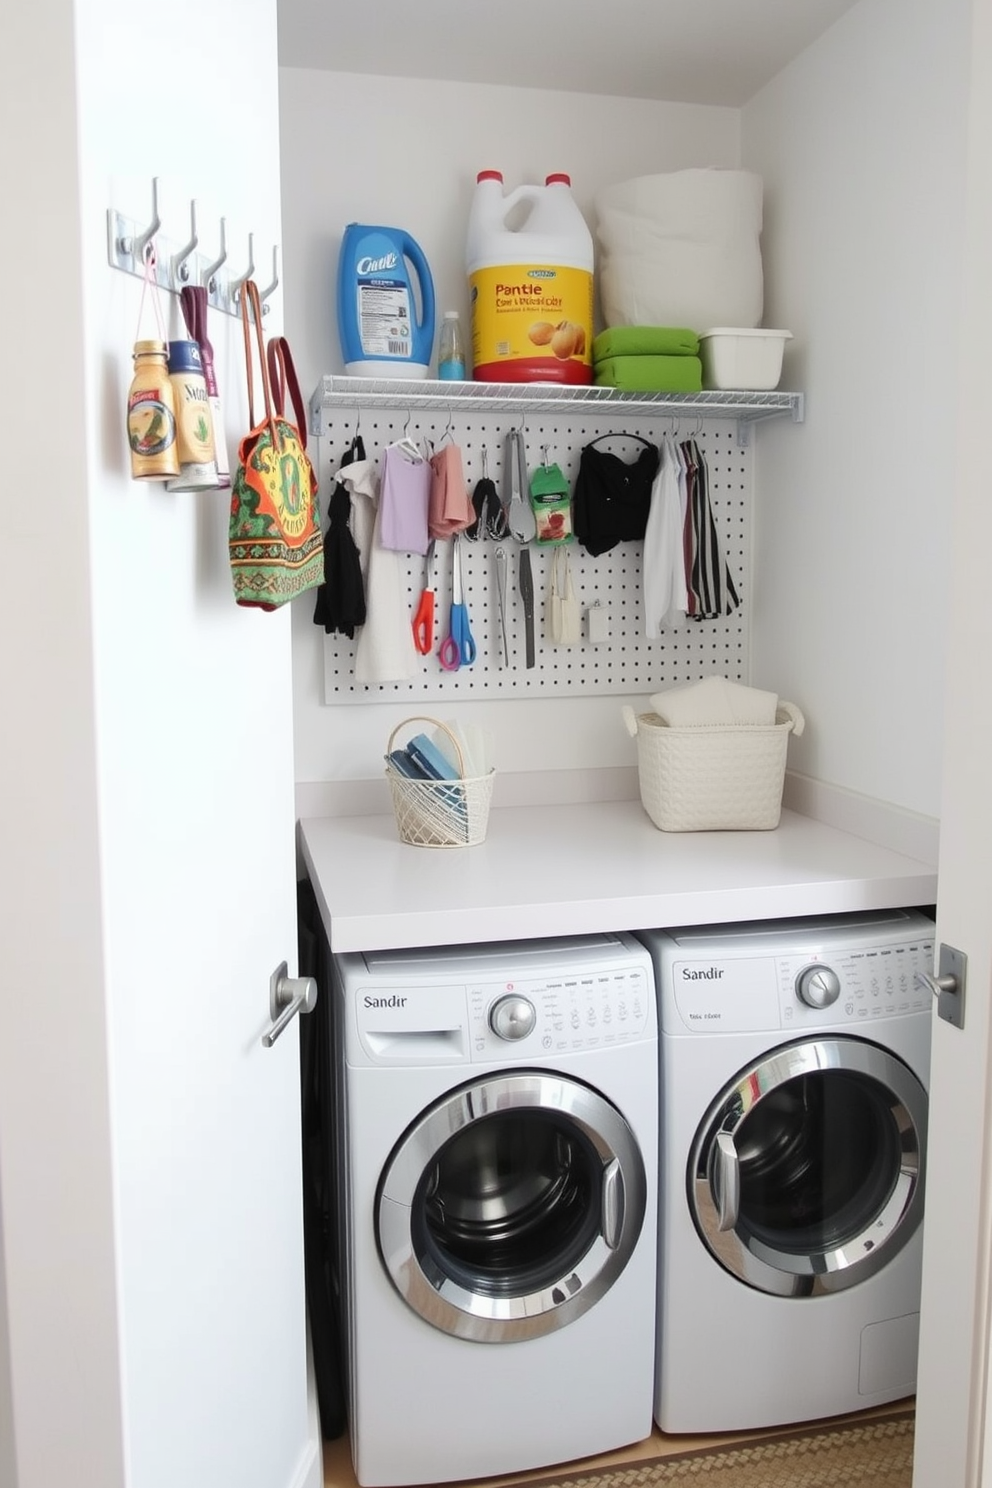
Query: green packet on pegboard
[551, 504]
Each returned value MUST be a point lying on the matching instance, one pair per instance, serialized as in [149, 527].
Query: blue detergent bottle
[381, 270]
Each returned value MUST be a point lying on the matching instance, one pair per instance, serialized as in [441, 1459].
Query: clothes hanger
[447, 432]
[407, 445]
[620, 434]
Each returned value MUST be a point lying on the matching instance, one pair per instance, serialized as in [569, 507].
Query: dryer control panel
[750, 993]
[857, 987]
[793, 977]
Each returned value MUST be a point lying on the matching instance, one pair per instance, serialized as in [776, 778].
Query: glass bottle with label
[151, 414]
[194, 419]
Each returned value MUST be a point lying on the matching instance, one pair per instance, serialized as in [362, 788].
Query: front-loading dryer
[794, 1059]
[497, 1155]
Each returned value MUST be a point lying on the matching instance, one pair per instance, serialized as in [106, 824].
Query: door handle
[725, 1181]
[287, 997]
[612, 1197]
[947, 984]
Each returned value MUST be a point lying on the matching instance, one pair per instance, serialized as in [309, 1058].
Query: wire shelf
[334, 393]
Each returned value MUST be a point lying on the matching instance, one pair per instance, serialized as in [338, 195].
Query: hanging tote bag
[564, 618]
[275, 545]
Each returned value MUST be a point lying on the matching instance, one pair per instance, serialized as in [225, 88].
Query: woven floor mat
[867, 1454]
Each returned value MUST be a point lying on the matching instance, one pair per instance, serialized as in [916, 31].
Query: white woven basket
[439, 813]
[713, 777]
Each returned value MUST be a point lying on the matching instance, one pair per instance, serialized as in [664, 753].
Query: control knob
[512, 1017]
[818, 986]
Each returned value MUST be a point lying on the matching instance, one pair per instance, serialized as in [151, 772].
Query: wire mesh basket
[439, 813]
[713, 777]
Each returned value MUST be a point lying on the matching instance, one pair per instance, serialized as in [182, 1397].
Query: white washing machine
[794, 1073]
[497, 1187]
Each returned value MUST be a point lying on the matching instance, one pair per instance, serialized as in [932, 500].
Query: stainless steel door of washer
[511, 1206]
[806, 1174]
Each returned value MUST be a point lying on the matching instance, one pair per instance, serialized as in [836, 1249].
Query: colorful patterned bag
[274, 539]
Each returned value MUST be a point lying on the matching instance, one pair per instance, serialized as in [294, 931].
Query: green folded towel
[651, 374]
[644, 341]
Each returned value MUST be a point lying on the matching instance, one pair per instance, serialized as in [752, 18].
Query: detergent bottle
[530, 286]
[381, 271]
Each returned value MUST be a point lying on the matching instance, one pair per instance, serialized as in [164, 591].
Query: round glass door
[806, 1175]
[511, 1206]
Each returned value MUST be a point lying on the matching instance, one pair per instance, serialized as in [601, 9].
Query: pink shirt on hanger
[450, 509]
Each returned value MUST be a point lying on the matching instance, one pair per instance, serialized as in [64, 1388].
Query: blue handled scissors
[458, 647]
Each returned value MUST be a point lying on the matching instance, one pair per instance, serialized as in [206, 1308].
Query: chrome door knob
[947, 983]
[937, 984]
[287, 997]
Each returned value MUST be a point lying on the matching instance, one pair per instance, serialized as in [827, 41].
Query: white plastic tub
[738, 359]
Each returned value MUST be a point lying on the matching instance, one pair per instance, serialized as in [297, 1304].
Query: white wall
[56, 1176]
[406, 153]
[864, 209]
[862, 163]
[119, 621]
[8, 1458]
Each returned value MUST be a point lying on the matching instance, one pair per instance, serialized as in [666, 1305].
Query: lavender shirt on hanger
[403, 501]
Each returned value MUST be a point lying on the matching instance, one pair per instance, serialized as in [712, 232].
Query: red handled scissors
[458, 647]
[423, 620]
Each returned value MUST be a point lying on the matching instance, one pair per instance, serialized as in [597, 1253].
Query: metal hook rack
[180, 261]
[175, 265]
[141, 244]
[236, 285]
[266, 294]
[209, 279]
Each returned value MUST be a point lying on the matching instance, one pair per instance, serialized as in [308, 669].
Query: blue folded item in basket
[432, 762]
[423, 766]
[405, 764]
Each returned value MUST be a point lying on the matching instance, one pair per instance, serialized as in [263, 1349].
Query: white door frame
[951, 1445]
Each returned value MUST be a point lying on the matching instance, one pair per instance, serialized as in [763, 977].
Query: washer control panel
[531, 1017]
[504, 1001]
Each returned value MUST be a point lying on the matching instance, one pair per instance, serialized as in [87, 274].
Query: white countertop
[577, 869]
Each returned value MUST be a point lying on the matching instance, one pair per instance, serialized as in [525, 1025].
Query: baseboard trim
[901, 831]
[525, 788]
[890, 826]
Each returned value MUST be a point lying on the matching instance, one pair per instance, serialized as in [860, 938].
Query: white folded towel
[714, 700]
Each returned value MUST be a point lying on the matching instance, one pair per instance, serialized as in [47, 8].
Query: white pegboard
[628, 663]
